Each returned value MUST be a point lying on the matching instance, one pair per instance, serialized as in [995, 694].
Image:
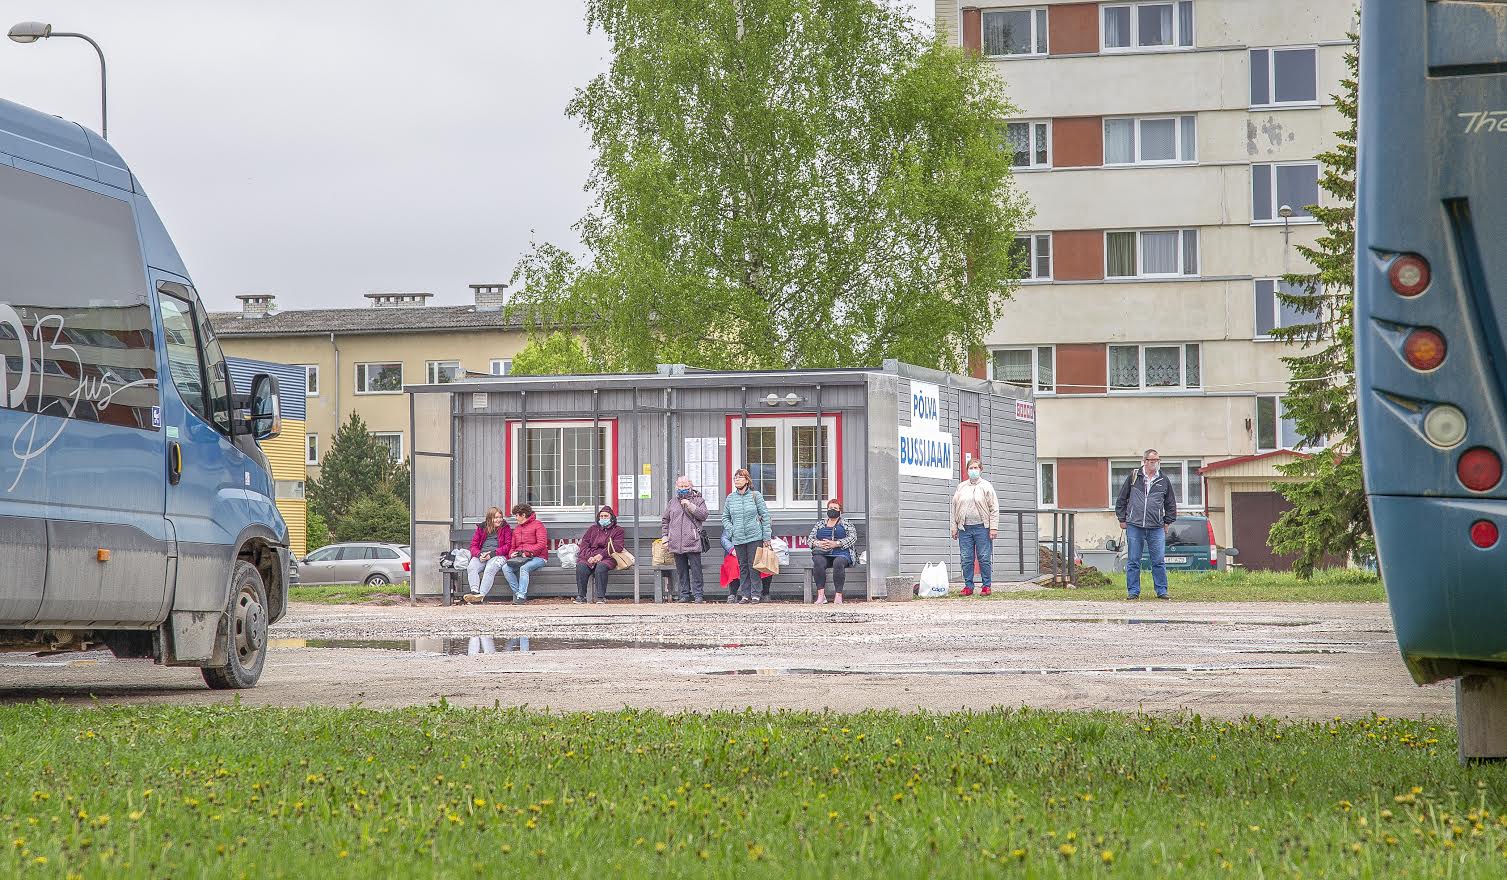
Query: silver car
[356, 562]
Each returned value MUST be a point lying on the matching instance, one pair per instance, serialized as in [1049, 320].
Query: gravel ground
[1225, 660]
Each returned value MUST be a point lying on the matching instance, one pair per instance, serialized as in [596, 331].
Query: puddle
[1092, 670]
[464, 646]
[1168, 621]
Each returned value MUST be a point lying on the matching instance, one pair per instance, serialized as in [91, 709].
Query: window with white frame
[311, 449]
[1014, 32]
[1182, 473]
[792, 460]
[1034, 255]
[1274, 428]
[1155, 367]
[1151, 253]
[1046, 483]
[1128, 27]
[379, 378]
[1018, 365]
[310, 380]
[1284, 76]
[502, 366]
[1029, 144]
[444, 372]
[1151, 140]
[392, 441]
[1291, 184]
[563, 466]
[1272, 312]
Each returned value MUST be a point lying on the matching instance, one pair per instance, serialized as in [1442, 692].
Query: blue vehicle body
[133, 494]
[1432, 156]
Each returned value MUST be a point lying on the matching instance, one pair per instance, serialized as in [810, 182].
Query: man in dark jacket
[1146, 507]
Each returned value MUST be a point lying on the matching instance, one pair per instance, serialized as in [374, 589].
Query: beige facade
[351, 355]
[1158, 142]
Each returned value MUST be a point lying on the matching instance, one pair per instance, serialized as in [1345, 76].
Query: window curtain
[1119, 141]
[1159, 253]
[1019, 137]
[1158, 140]
[1013, 366]
[1191, 377]
[1185, 23]
[1007, 33]
[1190, 251]
[1117, 28]
[1041, 143]
[1046, 378]
[1155, 24]
[1124, 366]
[1163, 367]
[1120, 247]
[1189, 139]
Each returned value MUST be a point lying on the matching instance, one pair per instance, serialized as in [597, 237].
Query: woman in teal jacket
[745, 520]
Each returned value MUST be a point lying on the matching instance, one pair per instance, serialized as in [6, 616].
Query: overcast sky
[322, 150]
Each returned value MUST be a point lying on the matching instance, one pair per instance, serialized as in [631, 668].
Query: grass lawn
[1332, 585]
[348, 594]
[317, 792]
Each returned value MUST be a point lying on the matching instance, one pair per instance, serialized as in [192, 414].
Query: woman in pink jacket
[490, 546]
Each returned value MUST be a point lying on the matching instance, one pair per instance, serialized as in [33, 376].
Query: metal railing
[1059, 563]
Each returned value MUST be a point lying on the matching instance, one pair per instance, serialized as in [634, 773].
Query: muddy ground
[1228, 660]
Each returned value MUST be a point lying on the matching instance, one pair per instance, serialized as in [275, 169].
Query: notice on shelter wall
[703, 465]
[625, 487]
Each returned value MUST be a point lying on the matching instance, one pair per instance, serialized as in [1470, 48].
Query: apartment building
[359, 359]
[1168, 147]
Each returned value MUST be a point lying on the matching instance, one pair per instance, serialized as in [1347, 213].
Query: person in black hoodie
[1146, 507]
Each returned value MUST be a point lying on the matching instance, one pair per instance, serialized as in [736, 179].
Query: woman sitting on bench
[832, 540]
[489, 550]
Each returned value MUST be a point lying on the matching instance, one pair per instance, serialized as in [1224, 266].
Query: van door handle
[174, 462]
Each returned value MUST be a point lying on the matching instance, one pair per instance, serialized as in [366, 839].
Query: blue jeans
[1139, 539]
[974, 542]
[518, 577]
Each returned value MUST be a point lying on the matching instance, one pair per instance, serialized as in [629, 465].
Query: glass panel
[182, 338]
[1188, 148]
[1046, 358]
[1155, 24]
[1261, 192]
[1296, 75]
[1007, 33]
[1298, 188]
[1119, 141]
[1185, 534]
[1124, 366]
[1289, 315]
[1013, 365]
[1185, 23]
[1266, 423]
[1290, 437]
[1020, 255]
[444, 372]
[1048, 483]
[1041, 31]
[763, 461]
[1174, 473]
[1193, 353]
[1158, 140]
[1043, 256]
[1120, 247]
[1265, 307]
[313, 449]
[383, 377]
[1260, 77]
[1119, 472]
[1117, 27]
[1160, 253]
[543, 465]
[579, 490]
[1195, 497]
[393, 442]
[1190, 251]
[809, 462]
[1041, 144]
[311, 381]
[1018, 135]
[1163, 366]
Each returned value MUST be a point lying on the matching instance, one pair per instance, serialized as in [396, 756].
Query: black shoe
[1164, 597]
[1131, 598]
[519, 600]
[698, 600]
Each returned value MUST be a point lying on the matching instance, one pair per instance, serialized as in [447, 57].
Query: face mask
[603, 521]
[974, 475]
[682, 492]
[833, 513]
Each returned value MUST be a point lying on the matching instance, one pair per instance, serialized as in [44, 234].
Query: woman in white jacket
[975, 525]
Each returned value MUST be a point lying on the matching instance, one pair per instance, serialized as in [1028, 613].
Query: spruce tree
[356, 467]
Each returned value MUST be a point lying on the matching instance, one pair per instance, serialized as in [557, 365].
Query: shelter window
[793, 461]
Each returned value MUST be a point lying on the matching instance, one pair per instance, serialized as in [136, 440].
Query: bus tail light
[1213, 551]
[1424, 349]
[1479, 469]
[1409, 275]
[1483, 533]
[1444, 426]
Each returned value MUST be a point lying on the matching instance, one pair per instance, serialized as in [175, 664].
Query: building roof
[318, 322]
[1245, 459]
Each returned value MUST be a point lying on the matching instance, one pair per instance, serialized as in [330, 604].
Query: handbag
[621, 559]
[706, 543]
[766, 561]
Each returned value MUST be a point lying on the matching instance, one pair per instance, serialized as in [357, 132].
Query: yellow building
[358, 359]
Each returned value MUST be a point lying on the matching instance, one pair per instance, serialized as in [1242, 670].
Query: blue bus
[1431, 313]
[137, 507]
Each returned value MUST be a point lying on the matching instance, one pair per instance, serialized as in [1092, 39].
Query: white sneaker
[821, 598]
[837, 600]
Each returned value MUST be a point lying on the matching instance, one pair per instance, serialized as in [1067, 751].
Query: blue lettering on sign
[926, 452]
[923, 407]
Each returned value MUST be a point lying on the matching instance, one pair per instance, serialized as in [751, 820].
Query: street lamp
[31, 31]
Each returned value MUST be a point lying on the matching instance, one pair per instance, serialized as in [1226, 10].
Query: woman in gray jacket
[683, 528]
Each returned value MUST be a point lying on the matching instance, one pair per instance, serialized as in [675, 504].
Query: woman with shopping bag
[745, 521]
[601, 553]
[683, 531]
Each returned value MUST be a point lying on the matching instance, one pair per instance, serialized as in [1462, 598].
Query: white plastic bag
[781, 550]
[458, 560]
[934, 581]
[567, 554]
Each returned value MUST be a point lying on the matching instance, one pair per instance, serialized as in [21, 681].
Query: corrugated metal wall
[287, 452]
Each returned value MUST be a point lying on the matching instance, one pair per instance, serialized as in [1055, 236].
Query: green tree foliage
[319, 532]
[784, 183]
[378, 517]
[355, 467]
[1329, 514]
[558, 354]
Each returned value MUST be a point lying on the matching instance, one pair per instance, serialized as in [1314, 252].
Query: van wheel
[377, 580]
[247, 651]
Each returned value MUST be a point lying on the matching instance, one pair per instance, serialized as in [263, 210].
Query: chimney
[398, 300]
[490, 297]
[257, 305]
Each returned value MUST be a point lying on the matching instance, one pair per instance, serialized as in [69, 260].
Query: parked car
[1190, 546]
[356, 562]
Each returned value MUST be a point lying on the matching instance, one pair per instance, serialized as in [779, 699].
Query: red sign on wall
[1025, 411]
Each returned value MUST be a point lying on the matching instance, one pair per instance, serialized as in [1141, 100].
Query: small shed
[890, 442]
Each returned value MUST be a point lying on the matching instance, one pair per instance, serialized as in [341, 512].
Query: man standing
[975, 525]
[1146, 507]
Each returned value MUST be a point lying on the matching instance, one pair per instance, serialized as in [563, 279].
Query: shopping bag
[621, 559]
[934, 581]
[781, 551]
[568, 554]
[663, 558]
[766, 561]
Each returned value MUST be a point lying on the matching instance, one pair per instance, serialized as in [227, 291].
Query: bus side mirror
[266, 414]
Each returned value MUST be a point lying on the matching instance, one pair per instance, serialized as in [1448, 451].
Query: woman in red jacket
[594, 560]
[490, 546]
[530, 549]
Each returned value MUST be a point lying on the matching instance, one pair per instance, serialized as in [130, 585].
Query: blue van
[136, 509]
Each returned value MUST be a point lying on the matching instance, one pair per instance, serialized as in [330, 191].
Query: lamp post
[31, 31]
